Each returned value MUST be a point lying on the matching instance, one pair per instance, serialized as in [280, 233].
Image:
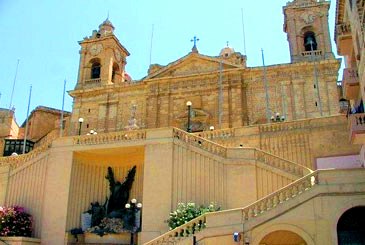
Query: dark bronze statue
[119, 193]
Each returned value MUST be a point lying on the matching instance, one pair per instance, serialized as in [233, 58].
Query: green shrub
[188, 211]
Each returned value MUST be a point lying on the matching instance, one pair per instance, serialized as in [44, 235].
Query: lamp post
[277, 117]
[188, 104]
[81, 120]
[134, 210]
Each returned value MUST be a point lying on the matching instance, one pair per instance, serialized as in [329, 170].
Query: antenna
[12, 91]
[63, 103]
[151, 43]
[243, 32]
[266, 88]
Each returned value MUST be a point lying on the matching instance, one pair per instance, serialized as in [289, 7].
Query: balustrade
[255, 209]
[107, 138]
[280, 163]
[200, 142]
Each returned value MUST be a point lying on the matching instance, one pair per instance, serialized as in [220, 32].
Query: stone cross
[195, 40]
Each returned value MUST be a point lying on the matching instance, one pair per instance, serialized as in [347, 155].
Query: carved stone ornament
[308, 17]
[95, 49]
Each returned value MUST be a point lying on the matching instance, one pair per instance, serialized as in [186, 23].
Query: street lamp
[134, 209]
[188, 104]
[81, 120]
[277, 117]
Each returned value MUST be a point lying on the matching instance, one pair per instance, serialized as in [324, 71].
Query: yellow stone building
[267, 144]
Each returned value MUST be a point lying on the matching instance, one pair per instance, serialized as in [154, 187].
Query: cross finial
[195, 40]
[107, 16]
[227, 43]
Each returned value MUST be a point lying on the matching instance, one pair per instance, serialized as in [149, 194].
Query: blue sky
[44, 35]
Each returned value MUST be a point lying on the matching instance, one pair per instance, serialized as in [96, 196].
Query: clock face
[118, 56]
[96, 49]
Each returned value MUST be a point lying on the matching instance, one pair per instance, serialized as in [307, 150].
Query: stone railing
[107, 138]
[220, 133]
[312, 53]
[283, 195]
[281, 163]
[247, 213]
[200, 142]
[284, 126]
[16, 161]
[94, 81]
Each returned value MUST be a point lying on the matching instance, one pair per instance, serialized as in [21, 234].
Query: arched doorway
[282, 237]
[351, 227]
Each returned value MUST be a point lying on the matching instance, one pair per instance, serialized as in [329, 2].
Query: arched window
[95, 70]
[310, 43]
[115, 72]
[351, 227]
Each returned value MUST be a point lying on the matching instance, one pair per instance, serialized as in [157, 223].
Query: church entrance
[282, 237]
[351, 227]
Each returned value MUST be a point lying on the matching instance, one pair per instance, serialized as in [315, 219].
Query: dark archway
[310, 43]
[351, 227]
[95, 70]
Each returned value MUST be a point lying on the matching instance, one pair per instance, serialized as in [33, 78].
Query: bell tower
[306, 25]
[102, 58]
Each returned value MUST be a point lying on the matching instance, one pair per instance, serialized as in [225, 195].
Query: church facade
[266, 144]
[224, 92]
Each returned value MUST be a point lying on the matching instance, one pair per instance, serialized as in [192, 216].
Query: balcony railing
[92, 82]
[312, 53]
[350, 82]
[357, 128]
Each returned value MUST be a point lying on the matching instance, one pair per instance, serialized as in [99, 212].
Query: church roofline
[191, 54]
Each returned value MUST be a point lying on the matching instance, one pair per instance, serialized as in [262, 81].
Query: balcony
[350, 83]
[343, 38]
[314, 53]
[357, 128]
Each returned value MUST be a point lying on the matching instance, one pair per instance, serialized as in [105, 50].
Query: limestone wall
[300, 141]
[26, 188]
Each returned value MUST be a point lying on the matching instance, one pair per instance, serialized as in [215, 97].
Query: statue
[97, 213]
[119, 193]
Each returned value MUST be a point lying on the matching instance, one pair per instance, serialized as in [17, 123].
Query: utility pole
[266, 88]
[26, 122]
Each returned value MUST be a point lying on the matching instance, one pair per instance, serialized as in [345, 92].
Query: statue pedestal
[120, 238]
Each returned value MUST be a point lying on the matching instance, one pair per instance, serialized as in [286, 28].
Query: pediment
[191, 64]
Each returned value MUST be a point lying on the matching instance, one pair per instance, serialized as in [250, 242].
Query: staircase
[248, 213]
[263, 157]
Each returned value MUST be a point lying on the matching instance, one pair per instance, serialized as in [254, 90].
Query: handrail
[219, 133]
[281, 163]
[200, 142]
[106, 138]
[259, 207]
